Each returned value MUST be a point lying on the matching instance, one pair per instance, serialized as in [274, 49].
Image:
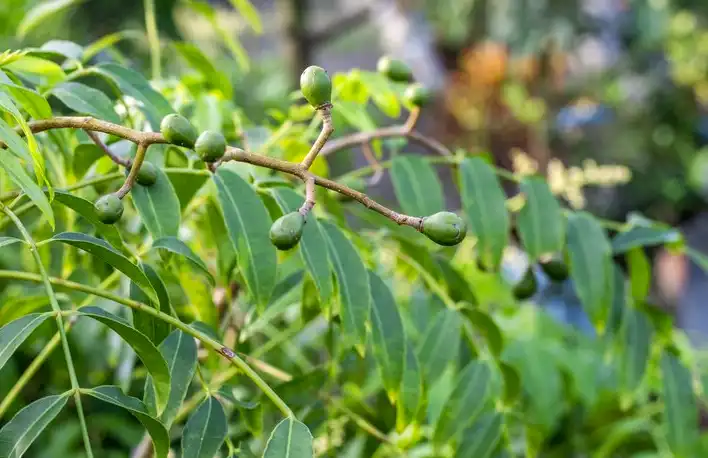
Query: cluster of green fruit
[444, 228]
[177, 130]
[553, 266]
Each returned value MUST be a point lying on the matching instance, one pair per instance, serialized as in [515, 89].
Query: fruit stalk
[137, 163]
[327, 129]
[309, 195]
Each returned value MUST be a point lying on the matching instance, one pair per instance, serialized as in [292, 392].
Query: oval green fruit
[286, 231]
[555, 268]
[109, 209]
[178, 130]
[394, 69]
[417, 95]
[316, 86]
[527, 286]
[147, 175]
[445, 228]
[210, 146]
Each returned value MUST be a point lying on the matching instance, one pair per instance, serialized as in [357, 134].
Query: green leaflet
[289, 439]
[108, 254]
[465, 402]
[540, 221]
[158, 206]
[205, 430]
[641, 236]
[15, 332]
[440, 344]
[680, 423]
[186, 185]
[636, 335]
[388, 339]
[411, 399]
[85, 155]
[155, 329]
[86, 209]
[176, 246]
[485, 324]
[312, 246]
[180, 352]
[156, 430]
[19, 433]
[248, 225]
[382, 94]
[417, 185]
[480, 440]
[484, 202]
[249, 14]
[40, 13]
[354, 289]
[6, 241]
[639, 273]
[86, 100]
[15, 144]
[34, 103]
[154, 105]
[589, 252]
[196, 59]
[146, 351]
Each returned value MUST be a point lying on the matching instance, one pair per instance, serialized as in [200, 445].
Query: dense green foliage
[166, 313]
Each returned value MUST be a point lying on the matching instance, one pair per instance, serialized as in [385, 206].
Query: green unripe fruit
[178, 130]
[210, 146]
[109, 209]
[316, 86]
[394, 69]
[527, 287]
[286, 231]
[147, 175]
[417, 95]
[445, 228]
[555, 268]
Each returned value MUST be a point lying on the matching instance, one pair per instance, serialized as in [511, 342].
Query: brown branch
[96, 125]
[114, 157]
[412, 120]
[373, 162]
[309, 195]
[360, 138]
[134, 169]
[327, 129]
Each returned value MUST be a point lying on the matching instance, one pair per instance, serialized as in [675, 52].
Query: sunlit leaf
[205, 430]
[248, 225]
[178, 247]
[249, 13]
[19, 433]
[42, 12]
[146, 351]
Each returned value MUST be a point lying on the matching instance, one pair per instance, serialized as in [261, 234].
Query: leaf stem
[44, 279]
[204, 339]
[153, 38]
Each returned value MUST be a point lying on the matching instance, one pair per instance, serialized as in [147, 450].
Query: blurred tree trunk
[293, 16]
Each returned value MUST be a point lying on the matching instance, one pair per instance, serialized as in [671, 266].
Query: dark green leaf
[176, 246]
[86, 100]
[146, 351]
[636, 337]
[132, 83]
[156, 430]
[313, 246]
[205, 430]
[248, 225]
[19, 433]
[417, 186]
[484, 202]
[155, 329]
[485, 325]
[412, 394]
[680, 410]
[86, 209]
[15, 332]
[590, 253]
[158, 206]
[480, 440]
[106, 253]
[85, 155]
[180, 352]
[512, 382]
[42, 12]
[540, 221]
[354, 289]
[440, 344]
[465, 402]
[640, 236]
[388, 337]
[289, 439]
